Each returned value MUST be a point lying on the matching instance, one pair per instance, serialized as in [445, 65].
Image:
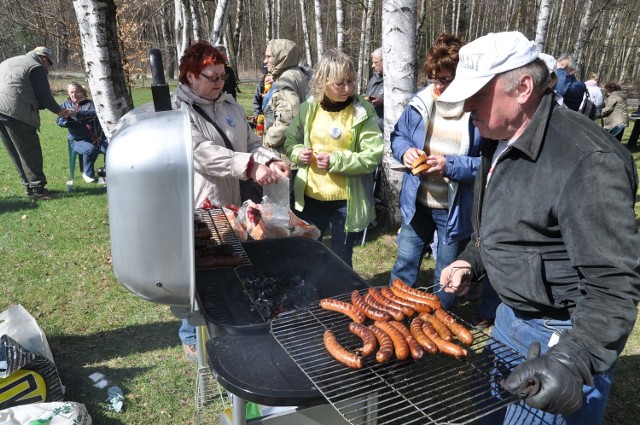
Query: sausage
[377, 295]
[399, 342]
[344, 308]
[406, 288]
[416, 349]
[340, 353]
[394, 313]
[425, 342]
[463, 334]
[368, 338]
[445, 347]
[369, 311]
[443, 330]
[212, 261]
[415, 298]
[417, 306]
[201, 233]
[386, 344]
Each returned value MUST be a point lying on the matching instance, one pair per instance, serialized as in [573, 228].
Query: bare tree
[319, 30]
[398, 40]
[268, 20]
[543, 24]
[585, 23]
[102, 60]
[220, 20]
[340, 25]
[305, 31]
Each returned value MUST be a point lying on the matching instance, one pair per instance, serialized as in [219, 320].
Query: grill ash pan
[290, 272]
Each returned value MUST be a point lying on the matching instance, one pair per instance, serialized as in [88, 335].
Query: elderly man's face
[376, 64]
[496, 114]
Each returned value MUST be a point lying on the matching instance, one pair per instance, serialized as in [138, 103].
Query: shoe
[42, 195]
[28, 191]
[190, 353]
[480, 322]
[88, 179]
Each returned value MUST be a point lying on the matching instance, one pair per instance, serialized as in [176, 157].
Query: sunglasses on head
[214, 78]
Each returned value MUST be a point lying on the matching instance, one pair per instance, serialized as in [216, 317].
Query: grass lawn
[55, 261]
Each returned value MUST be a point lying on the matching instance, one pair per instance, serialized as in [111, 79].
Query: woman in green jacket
[337, 144]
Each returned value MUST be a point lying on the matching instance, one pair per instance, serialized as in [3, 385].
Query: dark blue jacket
[570, 88]
[85, 126]
[409, 132]
[555, 230]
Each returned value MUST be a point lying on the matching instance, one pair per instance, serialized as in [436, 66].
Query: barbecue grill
[260, 327]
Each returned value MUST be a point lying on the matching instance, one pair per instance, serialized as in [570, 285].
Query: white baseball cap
[486, 57]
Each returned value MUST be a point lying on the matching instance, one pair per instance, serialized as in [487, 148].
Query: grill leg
[239, 410]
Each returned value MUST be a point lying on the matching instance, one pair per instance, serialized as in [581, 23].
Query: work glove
[551, 382]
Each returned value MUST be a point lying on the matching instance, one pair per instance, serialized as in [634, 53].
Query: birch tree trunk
[399, 61]
[543, 24]
[305, 31]
[181, 27]
[583, 31]
[220, 21]
[196, 23]
[103, 60]
[268, 21]
[319, 30]
[340, 24]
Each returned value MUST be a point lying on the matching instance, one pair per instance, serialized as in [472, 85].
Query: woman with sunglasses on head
[440, 197]
[337, 144]
[225, 150]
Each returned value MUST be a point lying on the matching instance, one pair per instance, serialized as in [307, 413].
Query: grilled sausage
[344, 308]
[443, 330]
[368, 338]
[368, 310]
[421, 307]
[463, 334]
[399, 342]
[415, 298]
[425, 342]
[416, 350]
[406, 288]
[201, 233]
[395, 313]
[212, 261]
[386, 344]
[445, 347]
[340, 353]
[377, 295]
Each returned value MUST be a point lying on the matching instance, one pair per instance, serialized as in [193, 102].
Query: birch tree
[340, 25]
[305, 32]
[268, 21]
[583, 31]
[103, 60]
[220, 21]
[319, 30]
[398, 41]
[181, 27]
[543, 24]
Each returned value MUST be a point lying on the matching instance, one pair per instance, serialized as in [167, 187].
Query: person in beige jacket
[615, 116]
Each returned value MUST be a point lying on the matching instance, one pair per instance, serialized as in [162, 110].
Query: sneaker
[190, 353]
[42, 195]
[88, 179]
[28, 191]
[480, 322]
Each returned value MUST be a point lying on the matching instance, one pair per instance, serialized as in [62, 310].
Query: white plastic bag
[56, 413]
[17, 323]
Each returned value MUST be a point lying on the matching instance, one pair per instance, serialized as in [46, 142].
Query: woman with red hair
[225, 150]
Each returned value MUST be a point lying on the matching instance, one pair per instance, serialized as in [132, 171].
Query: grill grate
[436, 389]
[221, 230]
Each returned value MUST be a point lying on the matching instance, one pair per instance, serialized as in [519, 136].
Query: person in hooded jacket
[288, 91]
[225, 150]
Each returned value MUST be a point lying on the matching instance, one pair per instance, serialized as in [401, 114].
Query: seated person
[85, 132]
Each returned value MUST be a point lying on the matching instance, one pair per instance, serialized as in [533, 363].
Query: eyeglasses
[215, 78]
[344, 84]
[445, 81]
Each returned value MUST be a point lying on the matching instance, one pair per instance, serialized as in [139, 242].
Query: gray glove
[551, 382]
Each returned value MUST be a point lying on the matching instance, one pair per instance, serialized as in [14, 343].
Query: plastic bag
[268, 220]
[17, 323]
[278, 193]
[58, 413]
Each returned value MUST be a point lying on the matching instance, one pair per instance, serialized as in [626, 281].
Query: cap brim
[463, 88]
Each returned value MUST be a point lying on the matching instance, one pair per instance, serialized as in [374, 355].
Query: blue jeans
[413, 241]
[332, 215]
[89, 154]
[518, 333]
[187, 333]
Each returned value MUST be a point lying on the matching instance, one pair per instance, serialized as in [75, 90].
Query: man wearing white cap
[24, 90]
[554, 230]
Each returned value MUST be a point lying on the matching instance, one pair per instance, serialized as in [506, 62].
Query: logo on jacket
[231, 121]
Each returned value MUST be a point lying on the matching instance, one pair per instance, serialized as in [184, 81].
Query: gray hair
[377, 52]
[568, 62]
[537, 70]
